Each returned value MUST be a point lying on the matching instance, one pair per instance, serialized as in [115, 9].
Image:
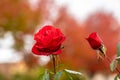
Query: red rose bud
[48, 41]
[97, 44]
[95, 41]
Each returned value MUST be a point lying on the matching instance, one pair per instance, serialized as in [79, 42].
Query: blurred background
[20, 19]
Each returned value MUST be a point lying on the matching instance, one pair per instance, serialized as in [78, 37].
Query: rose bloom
[95, 41]
[48, 41]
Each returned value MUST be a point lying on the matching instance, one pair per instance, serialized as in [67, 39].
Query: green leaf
[61, 75]
[113, 65]
[118, 52]
[103, 49]
[74, 75]
[58, 75]
[69, 75]
[44, 76]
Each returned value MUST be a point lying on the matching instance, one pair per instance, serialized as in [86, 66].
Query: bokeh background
[20, 19]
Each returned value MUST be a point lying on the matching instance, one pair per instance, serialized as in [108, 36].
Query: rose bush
[48, 41]
[95, 41]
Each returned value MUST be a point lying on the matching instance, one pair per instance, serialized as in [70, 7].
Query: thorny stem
[109, 60]
[54, 63]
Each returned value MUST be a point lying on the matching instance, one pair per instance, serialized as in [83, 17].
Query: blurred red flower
[48, 41]
[95, 41]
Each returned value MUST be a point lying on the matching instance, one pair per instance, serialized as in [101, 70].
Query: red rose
[48, 41]
[95, 41]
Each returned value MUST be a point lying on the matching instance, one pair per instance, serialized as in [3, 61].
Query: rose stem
[54, 64]
[109, 60]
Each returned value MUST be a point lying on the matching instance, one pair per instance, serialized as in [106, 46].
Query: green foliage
[113, 65]
[44, 76]
[69, 75]
[73, 75]
[58, 75]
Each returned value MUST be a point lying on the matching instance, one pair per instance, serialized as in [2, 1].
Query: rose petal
[94, 40]
[57, 52]
[36, 51]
